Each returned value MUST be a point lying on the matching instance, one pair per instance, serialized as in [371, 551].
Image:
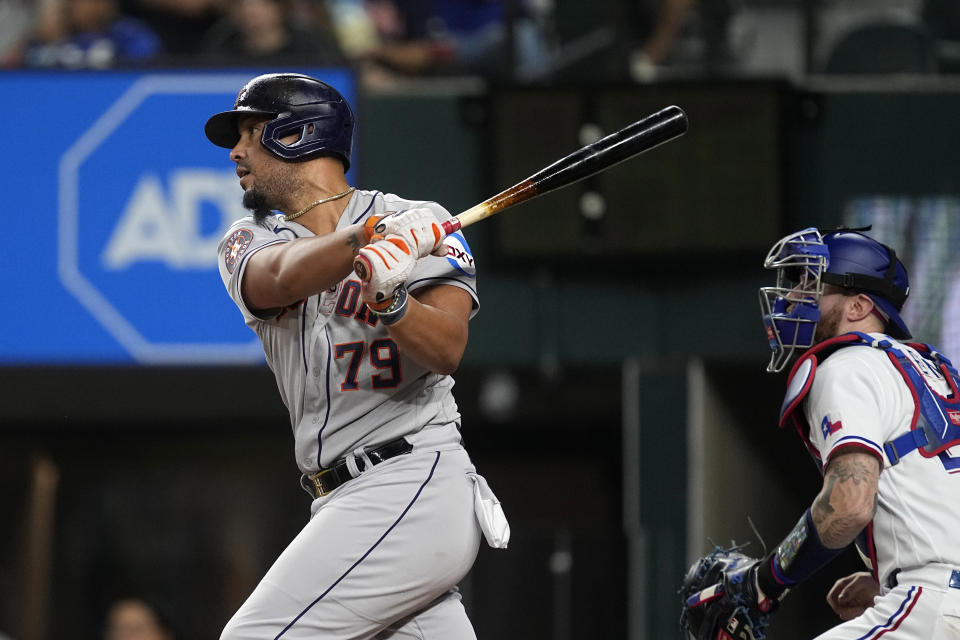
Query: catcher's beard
[828, 324]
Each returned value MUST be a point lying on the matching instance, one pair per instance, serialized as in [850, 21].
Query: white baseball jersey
[859, 399]
[341, 376]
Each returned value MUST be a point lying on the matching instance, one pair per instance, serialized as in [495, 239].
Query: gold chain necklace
[318, 202]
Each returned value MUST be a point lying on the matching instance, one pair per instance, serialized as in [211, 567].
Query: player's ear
[859, 307]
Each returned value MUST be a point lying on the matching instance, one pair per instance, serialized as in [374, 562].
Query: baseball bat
[632, 140]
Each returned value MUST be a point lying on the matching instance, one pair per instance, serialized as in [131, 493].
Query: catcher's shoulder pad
[800, 381]
[801, 375]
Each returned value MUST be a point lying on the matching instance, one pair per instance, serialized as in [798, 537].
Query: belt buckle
[315, 479]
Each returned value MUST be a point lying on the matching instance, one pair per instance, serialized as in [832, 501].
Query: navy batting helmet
[295, 103]
[861, 263]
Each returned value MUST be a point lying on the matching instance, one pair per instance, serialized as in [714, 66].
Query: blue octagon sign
[144, 199]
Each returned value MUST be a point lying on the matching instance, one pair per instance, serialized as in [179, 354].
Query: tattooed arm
[847, 501]
[844, 506]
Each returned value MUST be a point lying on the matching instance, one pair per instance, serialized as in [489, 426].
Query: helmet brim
[221, 129]
[896, 328]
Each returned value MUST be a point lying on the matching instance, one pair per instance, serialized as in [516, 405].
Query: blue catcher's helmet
[863, 264]
[296, 103]
[804, 262]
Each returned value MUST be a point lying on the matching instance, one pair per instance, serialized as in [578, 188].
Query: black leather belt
[326, 480]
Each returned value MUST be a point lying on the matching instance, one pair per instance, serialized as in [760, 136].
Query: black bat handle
[642, 135]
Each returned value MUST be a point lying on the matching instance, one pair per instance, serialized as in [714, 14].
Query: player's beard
[256, 201]
[269, 193]
[828, 324]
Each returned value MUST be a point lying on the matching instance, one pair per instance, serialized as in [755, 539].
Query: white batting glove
[389, 263]
[420, 227]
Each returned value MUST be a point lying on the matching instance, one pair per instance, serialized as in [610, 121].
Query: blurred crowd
[510, 39]
[517, 40]
[410, 37]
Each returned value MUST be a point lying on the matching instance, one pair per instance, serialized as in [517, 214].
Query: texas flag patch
[829, 428]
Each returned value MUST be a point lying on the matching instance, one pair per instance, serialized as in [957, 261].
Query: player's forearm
[295, 270]
[434, 338]
[844, 506]
[847, 501]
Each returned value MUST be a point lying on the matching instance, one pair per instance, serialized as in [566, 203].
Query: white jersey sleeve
[854, 395]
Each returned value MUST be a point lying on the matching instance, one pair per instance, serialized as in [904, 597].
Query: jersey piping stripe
[368, 552]
[278, 229]
[365, 211]
[247, 255]
[899, 615]
[303, 336]
[440, 280]
[848, 440]
[853, 444]
[326, 417]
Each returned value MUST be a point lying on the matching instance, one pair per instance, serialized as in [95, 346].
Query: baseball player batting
[881, 417]
[397, 509]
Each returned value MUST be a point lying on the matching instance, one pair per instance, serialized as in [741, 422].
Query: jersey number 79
[384, 356]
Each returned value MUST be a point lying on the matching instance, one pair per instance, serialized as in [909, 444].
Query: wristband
[799, 556]
[397, 308]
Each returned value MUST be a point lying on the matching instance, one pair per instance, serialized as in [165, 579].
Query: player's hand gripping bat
[641, 136]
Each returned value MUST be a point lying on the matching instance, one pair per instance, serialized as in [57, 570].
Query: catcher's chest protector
[936, 419]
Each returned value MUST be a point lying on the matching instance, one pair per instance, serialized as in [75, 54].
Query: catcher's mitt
[721, 601]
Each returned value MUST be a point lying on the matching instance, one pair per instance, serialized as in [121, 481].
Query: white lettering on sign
[156, 228]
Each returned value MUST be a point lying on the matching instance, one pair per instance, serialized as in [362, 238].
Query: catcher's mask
[295, 103]
[804, 261]
[791, 308]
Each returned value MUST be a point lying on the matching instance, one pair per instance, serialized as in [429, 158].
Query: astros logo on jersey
[459, 255]
[236, 245]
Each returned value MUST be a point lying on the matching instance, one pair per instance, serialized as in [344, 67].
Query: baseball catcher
[881, 417]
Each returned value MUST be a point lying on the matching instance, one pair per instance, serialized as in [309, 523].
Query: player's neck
[867, 325]
[322, 195]
[321, 212]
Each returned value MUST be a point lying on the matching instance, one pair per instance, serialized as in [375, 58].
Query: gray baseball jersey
[341, 376]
